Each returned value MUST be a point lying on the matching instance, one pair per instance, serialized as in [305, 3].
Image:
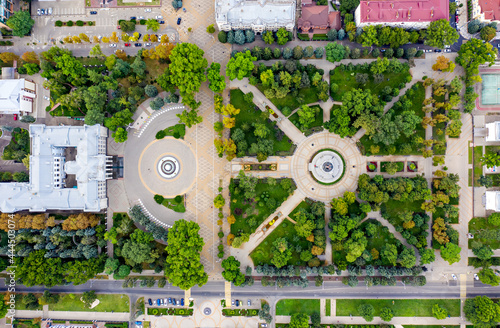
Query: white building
[493, 200]
[17, 96]
[53, 163]
[257, 15]
[493, 131]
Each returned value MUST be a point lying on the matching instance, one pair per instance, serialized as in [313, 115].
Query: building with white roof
[60, 178]
[257, 15]
[493, 133]
[16, 96]
[493, 200]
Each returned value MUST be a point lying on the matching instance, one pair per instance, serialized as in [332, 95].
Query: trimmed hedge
[240, 312]
[320, 37]
[303, 37]
[170, 311]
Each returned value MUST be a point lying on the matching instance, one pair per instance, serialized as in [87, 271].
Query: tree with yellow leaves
[229, 122]
[162, 51]
[30, 57]
[231, 219]
[76, 39]
[105, 39]
[145, 38]
[95, 39]
[164, 39]
[114, 37]
[125, 37]
[230, 110]
[84, 37]
[121, 54]
[80, 221]
[230, 149]
[67, 39]
[442, 63]
[153, 38]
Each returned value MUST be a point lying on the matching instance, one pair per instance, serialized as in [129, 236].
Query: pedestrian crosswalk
[69, 11]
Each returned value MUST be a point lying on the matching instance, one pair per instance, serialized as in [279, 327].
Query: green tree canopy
[20, 23]
[240, 66]
[183, 267]
[482, 311]
[440, 33]
[474, 53]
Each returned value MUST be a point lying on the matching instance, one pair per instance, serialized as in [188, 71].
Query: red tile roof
[317, 17]
[490, 8]
[381, 11]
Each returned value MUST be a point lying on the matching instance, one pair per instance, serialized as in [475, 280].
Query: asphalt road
[330, 289]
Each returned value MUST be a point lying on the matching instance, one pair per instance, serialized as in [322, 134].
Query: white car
[453, 276]
[147, 10]
[50, 11]
[447, 50]
[159, 17]
[46, 98]
[476, 277]
[140, 17]
[147, 44]
[112, 45]
[38, 11]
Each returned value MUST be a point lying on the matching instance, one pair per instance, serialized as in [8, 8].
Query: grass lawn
[431, 326]
[19, 301]
[328, 307]
[478, 224]
[382, 237]
[470, 177]
[262, 254]
[346, 80]
[401, 308]
[175, 205]
[291, 306]
[260, 213]
[470, 154]
[439, 137]
[310, 96]
[401, 166]
[108, 303]
[177, 131]
[478, 167]
[248, 115]
[417, 104]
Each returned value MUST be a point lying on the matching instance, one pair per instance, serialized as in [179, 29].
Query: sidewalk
[377, 320]
[71, 315]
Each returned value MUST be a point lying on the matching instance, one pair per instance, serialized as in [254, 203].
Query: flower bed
[260, 167]
[170, 311]
[71, 23]
[240, 312]
[371, 167]
[412, 166]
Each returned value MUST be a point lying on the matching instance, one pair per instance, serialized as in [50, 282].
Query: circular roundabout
[327, 166]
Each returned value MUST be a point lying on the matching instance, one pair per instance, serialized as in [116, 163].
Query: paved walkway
[377, 320]
[73, 315]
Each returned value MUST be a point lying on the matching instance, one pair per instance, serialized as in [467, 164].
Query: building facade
[401, 13]
[256, 15]
[68, 171]
[486, 11]
[16, 96]
[6, 10]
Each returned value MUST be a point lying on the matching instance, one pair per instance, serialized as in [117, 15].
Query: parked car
[173, 301]
[437, 50]
[165, 301]
[476, 277]
[182, 302]
[453, 276]
[46, 98]
[159, 17]
[249, 303]
[15, 117]
[162, 22]
[447, 50]
[38, 11]
[178, 303]
[184, 9]
[150, 302]
[138, 44]
[93, 12]
[141, 17]
[50, 11]
[127, 44]
[147, 44]
[158, 302]
[119, 27]
[169, 300]
[147, 10]
[179, 21]
[162, 301]
[237, 302]
[232, 302]
[133, 18]
[42, 11]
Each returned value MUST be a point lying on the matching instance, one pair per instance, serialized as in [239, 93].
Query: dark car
[133, 18]
[162, 22]
[138, 44]
[179, 21]
[93, 12]
[237, 303]
[182, 302]
[150, 302]
[437, 50]
[173, 301]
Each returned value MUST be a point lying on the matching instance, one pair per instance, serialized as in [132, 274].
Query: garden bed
[260, 167]
[170, 311]
[412, 166]
[177, 131]
[401, 166]
[371, 166]
[310, 96]
[176, 204]
[71, 23]
[477, 225]
[316, 126]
